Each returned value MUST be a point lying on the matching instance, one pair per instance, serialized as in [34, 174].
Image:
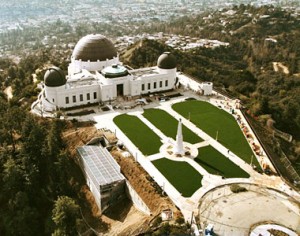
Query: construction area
[123, 218]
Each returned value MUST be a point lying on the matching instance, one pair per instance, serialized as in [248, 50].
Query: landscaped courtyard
[210, 119]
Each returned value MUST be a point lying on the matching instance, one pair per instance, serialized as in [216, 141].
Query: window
[53, 100]
[81, 97]
[143, 87]
[166, 83]
[154, 85]
[149, 86]
[95, 95]
[67, 100]
[160, 84]
[88, 96]
[74, 98]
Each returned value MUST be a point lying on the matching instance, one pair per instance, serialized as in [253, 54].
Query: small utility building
[102, 174]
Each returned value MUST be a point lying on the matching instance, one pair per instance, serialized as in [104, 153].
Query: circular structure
[235, 209]
[166, 61]
[114, 71]
[54, 77]
[94, 47]
[272, 229]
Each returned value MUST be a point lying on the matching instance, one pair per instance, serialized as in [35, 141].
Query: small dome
[166, 61]
[54, 77]
[114, 71]
[94, 47]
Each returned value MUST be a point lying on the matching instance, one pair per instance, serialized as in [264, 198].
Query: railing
[288, 171]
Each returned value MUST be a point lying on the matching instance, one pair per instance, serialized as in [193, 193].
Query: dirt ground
[123, 218]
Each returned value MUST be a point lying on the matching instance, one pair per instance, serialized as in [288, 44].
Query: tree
[13, 179]
[20, 215]
[65, 214]
[54, 140]
[10, 125]
[33, 139]
[62, 173]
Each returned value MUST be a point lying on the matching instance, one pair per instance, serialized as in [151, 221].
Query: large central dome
[94, 47]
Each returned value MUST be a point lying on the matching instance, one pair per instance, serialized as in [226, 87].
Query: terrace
[221, 152]
[151, 129]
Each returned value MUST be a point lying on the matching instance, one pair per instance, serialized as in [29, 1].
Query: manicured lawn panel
[180, 174]
[139, 133]
[211, 120]
[168, 125]
[216, 163]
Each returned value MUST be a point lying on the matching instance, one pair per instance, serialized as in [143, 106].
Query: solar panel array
[99, 165]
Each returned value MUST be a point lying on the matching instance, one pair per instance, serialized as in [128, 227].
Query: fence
[281, 161]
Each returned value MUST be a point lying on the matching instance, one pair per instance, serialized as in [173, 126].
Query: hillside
[261, 65]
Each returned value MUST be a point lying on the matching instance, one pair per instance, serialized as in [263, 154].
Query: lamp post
[217, 135]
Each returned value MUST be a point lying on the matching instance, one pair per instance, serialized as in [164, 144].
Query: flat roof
[81, 83]
[144, 71]
[99, 165]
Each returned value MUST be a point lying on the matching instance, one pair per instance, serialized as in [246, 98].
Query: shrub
[180, 220]
[235, 188]
[157, 222]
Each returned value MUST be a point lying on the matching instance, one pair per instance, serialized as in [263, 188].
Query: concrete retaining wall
[137, 201]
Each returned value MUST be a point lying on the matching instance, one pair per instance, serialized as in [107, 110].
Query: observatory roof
[115, 71]
[54, 77]
[94, 47]
[166, 61]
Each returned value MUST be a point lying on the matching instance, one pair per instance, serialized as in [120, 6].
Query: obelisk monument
[178, 147]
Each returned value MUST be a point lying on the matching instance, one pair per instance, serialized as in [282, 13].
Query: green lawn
[140, 134]
[168, 125]
[180, 174]
[216, 163]
[212, 120]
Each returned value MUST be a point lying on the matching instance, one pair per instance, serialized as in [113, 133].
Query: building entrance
[120, 89]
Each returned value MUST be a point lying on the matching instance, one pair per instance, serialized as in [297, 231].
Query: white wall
[59, 95]
[206, 87]
[135, 87]
[136, 199]
[152, 79]
[107, 92]
[77, 65]
[51, 93]
[95, 191]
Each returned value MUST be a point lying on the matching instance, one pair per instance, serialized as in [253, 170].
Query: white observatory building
[96, 75]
